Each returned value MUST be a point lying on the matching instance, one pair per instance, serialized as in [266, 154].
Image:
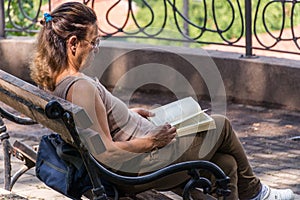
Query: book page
[203, 118]
[175, 112]
[197, 124]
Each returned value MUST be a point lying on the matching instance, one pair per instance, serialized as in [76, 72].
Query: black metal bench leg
[198, 181]
[9, 150]
[4, 136]
[98, 189]
[28, 165]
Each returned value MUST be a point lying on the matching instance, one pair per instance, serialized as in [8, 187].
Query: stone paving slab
[264, 132]
[7, 195]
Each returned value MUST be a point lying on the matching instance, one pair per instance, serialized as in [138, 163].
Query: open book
[185, 114]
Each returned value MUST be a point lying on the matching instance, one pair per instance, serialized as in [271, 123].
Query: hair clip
[47, 17]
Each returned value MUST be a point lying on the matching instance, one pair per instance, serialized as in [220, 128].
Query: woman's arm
[86, 95]
[143, 112]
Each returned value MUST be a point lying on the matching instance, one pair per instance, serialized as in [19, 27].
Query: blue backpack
[59, 166]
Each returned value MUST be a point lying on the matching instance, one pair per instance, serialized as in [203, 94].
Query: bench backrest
[31, 101]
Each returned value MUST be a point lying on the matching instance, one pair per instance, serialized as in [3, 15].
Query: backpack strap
[65, 151]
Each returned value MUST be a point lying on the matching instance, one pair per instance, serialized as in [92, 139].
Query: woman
[66, 45]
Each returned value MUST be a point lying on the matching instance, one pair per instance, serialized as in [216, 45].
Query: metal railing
[251, 19]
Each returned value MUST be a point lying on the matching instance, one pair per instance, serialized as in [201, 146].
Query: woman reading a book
[67, 44]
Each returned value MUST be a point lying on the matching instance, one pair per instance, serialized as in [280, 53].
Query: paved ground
[265, 132]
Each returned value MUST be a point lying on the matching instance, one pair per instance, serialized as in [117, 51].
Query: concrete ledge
[262, 81]
[15, 54]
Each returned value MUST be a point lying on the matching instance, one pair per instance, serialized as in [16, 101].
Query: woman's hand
[143, 112]
[162, 135]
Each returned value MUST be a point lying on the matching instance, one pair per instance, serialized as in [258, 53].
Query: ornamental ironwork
[240, 23]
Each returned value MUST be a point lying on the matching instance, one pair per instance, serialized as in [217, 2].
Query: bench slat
[31, 101]
[26, 150]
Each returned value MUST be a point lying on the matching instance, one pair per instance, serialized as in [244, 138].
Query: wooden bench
[58, 115]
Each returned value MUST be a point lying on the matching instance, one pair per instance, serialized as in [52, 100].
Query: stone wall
[128, 66]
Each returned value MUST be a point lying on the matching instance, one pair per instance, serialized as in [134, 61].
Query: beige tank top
[123, 123]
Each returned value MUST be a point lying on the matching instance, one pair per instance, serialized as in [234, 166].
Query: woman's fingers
[164, 135]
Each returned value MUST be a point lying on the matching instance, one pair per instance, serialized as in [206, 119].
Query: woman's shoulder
[81, 87]
[84, 81]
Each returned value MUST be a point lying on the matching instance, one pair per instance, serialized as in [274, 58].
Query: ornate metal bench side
[55, 111]
[18, 149]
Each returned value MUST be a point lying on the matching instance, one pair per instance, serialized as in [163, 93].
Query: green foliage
[209, 20]
[25, 20]
[276, 15]
[208, 26]
[142, 4]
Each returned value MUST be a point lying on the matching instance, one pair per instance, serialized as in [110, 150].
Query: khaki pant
[220, 146]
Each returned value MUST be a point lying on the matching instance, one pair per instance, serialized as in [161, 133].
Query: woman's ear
[72, 44]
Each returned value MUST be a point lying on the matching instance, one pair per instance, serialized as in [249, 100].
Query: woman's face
[88, 48]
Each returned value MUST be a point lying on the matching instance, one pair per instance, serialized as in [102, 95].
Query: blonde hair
[50, 59]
